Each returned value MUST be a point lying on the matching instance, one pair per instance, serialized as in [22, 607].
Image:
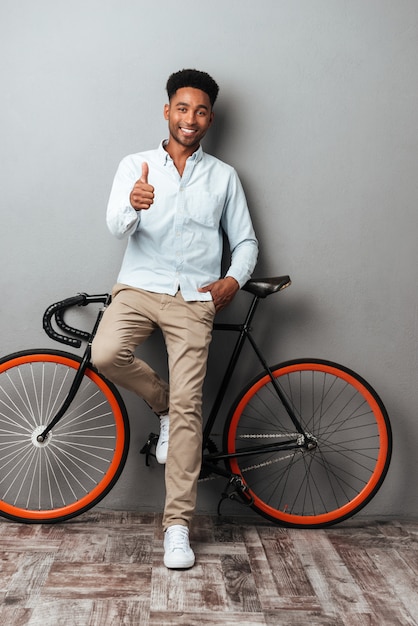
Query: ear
[166, 111]
[212, 115]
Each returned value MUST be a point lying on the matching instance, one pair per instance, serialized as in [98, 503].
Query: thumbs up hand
[142, 194]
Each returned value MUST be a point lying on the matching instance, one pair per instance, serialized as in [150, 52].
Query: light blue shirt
[177, 243]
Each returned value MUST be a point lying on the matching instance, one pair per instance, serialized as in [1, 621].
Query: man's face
[189, 116]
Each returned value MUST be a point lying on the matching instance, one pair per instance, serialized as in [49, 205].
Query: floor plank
[97, 580]
[105, 568]
[328, 574]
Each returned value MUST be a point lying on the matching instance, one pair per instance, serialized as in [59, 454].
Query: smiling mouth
[188, 131]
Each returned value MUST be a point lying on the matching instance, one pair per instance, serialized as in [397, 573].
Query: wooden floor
[105, 568]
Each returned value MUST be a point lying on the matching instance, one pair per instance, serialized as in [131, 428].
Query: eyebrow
[186, 104]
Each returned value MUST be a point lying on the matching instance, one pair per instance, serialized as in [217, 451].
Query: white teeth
[188, 131]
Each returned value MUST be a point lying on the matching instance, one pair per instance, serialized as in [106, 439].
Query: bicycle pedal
[147, 447]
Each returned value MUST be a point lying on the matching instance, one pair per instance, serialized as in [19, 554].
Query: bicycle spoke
[80, 458]
[345, 426]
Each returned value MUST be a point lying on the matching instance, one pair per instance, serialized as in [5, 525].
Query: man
[172, 205]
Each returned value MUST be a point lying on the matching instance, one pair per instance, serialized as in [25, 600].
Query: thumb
[144, 175]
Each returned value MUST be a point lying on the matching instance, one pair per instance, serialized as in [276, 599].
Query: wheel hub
[39, 442]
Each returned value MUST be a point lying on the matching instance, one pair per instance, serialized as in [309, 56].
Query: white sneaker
[177, 551]
[161, 449]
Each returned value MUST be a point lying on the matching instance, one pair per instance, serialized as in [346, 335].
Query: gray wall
[317, 112]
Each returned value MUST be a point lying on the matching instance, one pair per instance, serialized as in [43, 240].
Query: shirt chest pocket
[203, 208]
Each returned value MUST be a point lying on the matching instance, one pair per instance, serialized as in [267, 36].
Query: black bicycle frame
[244, 331]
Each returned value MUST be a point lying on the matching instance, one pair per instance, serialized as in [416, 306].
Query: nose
[190, 118]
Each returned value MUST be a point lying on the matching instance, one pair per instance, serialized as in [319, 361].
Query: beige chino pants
[129, 320]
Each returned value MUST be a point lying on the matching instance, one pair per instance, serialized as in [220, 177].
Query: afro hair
[195, 79]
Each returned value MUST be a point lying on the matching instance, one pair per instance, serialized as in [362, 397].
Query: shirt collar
[165, 157]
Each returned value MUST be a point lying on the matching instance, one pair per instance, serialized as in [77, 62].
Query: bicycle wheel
[81, 458]
[348, 425]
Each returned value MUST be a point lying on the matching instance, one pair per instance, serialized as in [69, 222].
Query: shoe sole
[176, 564]
[162, 460]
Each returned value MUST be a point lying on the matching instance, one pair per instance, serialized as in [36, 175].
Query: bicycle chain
[269, 436]
[258, 465]
[265, 463]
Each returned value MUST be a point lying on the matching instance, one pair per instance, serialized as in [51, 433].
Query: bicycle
[307, 443]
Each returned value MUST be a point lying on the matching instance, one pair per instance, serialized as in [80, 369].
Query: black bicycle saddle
[263, 287]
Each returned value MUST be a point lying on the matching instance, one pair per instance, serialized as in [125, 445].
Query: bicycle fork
[75, 386]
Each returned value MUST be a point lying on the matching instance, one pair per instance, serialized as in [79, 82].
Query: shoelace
[178, 538]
